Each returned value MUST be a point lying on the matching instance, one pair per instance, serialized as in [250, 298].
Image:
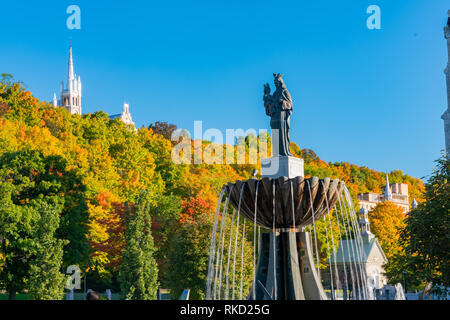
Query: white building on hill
[371, 260]
[125, 116]
[70, 95]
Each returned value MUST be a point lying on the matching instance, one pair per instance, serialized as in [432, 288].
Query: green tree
[35, 176]
[46, 282]
[28, 179]
[16, 240]
[165, 215]
[399, 270]
[139, 272]
[426, 237]
[188, 258]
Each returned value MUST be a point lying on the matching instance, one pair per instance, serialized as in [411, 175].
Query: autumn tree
[386, 222]
[194, 206]
[139, 273]
[163, 128]
[21, 103]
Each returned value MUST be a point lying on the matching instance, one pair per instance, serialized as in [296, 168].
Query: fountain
[296, 222]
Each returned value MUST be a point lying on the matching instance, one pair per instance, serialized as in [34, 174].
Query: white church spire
[71, 94]
[70, 73]
[387, 190]
[55, 100]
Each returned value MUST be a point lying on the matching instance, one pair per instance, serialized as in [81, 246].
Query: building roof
[345, 254]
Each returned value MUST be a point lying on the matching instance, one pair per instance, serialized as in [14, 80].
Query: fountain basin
[298, 202]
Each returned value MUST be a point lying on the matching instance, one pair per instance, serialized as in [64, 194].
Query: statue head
[278, 79]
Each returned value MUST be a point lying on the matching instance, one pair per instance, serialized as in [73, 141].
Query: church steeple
[387, 190]
[71, 94]
[55, 101]
[446, 115]
[70, 73]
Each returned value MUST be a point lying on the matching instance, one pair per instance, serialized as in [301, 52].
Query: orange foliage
[107, 230]
[194, 206]
[386, 222]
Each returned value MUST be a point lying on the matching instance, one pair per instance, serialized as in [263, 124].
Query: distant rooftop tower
[125, 116]
[364, 222]
[55, 100]
[446, 115]
[71, 94]
[387, 190]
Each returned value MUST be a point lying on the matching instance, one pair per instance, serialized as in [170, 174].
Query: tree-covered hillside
[92, 170]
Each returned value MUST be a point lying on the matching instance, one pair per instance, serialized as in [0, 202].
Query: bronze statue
[279, 108]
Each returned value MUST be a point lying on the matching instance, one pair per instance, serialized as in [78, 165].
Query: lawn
[20, 296]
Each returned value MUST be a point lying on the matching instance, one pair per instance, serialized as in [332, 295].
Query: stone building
[446, 115]
[125, 116]
[371, 260]
[396, 193]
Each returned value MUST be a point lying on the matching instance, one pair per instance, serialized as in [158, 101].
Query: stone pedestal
[285, 269]
[282, 166]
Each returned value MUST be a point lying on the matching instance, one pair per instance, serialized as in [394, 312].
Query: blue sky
[369, 97]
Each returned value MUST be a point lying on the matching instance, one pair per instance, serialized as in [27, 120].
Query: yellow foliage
[386, 222]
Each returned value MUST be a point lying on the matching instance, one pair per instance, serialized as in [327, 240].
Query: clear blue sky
[370, 97]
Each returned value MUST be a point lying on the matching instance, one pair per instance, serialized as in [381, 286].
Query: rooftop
[347, 247]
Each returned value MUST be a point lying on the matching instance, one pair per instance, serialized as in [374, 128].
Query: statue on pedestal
[279, 107]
